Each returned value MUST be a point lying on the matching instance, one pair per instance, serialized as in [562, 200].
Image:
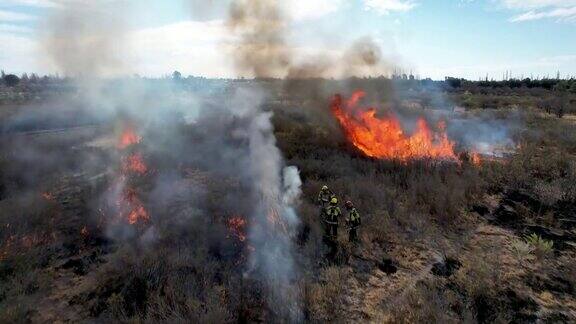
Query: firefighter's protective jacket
[354, 218]
[332, 214]
[324, 197]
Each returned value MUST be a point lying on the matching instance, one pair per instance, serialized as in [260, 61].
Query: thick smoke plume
[262, 28]
[261, 51]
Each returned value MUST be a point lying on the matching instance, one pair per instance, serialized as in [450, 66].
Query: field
[441, 241]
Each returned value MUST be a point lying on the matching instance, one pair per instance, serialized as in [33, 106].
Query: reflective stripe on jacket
[332, 214]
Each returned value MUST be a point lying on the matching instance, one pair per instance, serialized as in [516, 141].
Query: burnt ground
[439, 243]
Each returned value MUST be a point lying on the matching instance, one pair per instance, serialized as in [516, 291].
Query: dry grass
[196, 273]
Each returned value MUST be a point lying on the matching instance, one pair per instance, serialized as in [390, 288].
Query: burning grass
[384, 138]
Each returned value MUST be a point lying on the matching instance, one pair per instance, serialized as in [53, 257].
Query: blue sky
[432, 38]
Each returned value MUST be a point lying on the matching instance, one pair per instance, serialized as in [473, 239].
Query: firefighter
[332, 214]
[324, 197]
[353, 222]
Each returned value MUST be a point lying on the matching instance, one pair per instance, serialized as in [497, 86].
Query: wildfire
[384, 138]
[476, 159]
[128, 138]
[131, 207]
[134, 163]
[237, 227]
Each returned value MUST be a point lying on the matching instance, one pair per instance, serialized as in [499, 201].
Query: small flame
[237, 227]
[476, 159]
[48, 196]
[384, 138]
[134, 163]
[128, 138]
[132, 207]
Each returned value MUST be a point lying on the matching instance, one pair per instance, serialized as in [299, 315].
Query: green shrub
[541, 247]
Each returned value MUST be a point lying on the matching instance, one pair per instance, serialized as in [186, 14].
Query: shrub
[540, 246]
[521, 249]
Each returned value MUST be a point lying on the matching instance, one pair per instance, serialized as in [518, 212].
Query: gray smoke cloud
[86, 38]
[263, 51]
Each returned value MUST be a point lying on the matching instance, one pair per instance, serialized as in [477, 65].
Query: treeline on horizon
[566, 84]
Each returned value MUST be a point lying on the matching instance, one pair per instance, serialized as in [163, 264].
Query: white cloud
[560, 10]
[9, 28]
[12, 16]
[198, 48]
[560, 14]
[387, 6]
[191, 47]
[31, 3]
[311, 9]
[537, 4]
[18, 53]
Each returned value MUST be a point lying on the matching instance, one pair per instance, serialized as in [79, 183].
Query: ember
[48, 196]
[384, 138]
[237, 227]
[275, 221]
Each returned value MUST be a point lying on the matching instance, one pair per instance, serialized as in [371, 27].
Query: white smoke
[292, 186]
[276, 191]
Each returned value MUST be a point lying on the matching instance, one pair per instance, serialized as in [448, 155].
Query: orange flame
[128, 138]
[134, 163]
[384, 138]
[48, 196]
[476, 159]
[133, 207]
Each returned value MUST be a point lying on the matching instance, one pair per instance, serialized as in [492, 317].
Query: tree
[176, 75]
[453, 82]
[11, 80]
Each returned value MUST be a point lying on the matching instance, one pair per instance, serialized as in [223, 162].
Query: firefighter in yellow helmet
[353, 221]
[324, 197]
[331, 216]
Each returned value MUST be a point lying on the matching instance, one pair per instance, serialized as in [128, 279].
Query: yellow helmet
[334, 201]
[324, 187]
